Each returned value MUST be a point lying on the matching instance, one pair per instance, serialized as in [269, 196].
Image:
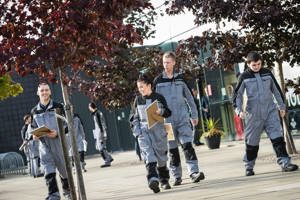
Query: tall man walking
[174, 89]
[51, 153]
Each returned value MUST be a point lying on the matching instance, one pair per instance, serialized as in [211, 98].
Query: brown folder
[41, 131]
[169, 130]
[152, 117]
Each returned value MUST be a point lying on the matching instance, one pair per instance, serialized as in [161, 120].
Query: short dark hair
[253, 56]
[93, 105]
[170, 54]
[43, 83]
[26, 117]
[144, 78]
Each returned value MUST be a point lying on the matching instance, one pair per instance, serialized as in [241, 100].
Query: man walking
[174, 89]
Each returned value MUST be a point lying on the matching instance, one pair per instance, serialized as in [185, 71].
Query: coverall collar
[44, 108]
[165, 75]
[93, 113]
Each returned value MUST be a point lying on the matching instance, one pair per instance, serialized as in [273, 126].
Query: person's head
[44, 92]
[27, 119]
[92, 107]
[254, 61]
[195, 92]
[144, 85]
[169, 61]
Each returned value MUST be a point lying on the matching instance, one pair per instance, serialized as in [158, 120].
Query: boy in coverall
[24, 139]
[153, 142]
[32, 148]
[261, 112]
[172, 86]
[100, 134]
[79, 137]
[50, 148]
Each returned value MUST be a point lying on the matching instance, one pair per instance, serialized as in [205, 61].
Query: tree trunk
[287, 134]
[69, 115]
[63, 141]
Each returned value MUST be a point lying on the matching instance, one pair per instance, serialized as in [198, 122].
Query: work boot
[82, 164]
[105, 165]
[290, 167]
[154, 185]
[250, 172]
[67, 194]
[197, 176]
[177, 182]
[53, 196]
[165, 185]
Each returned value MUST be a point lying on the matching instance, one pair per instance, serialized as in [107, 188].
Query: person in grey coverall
[80, 138]
[153, 142]
[261, 112]
[100, 134]
[179, 99]
[51, 153]
[31, 148]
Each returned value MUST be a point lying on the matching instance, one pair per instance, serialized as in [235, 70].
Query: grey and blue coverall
[79, 137]
[100, 135]
[33, 153]
[181, 103]
[261, 113]
[26, 149]
[153, 142]
[51, 153]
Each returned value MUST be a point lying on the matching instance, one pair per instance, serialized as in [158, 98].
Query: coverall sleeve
[23, 132]
[190, 100]
[238, 96]
[98, 119]
[80, 128]
[277, 93]
[135, 120]
[165, 111]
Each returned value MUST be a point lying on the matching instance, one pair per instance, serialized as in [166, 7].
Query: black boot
[152, 177]
[175, 161]
[163, 173]
[290, 167]
[66, 188]
[51, 184]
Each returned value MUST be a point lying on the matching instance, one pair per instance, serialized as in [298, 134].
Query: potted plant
[213, 134]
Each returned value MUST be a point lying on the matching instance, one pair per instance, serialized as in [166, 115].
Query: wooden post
[63, 141]
[287, 135]
[69, 115]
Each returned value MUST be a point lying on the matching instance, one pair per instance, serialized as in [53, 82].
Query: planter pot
[213, 142]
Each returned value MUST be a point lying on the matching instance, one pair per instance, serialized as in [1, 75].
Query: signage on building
[293, 100]
[293, 104]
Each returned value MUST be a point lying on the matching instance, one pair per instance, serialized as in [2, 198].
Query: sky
[169, 26]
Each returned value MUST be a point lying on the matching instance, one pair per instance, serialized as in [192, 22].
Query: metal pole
[63, 141]
[69, 115]
[200, 106]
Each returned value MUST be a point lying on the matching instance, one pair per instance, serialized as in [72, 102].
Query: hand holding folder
[41, 131]
[152, 116]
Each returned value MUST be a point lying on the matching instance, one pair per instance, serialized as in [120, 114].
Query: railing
[11, 163]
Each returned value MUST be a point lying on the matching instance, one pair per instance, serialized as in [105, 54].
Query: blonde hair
[169, 54]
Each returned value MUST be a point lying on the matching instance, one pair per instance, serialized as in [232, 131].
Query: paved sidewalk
[223, 168]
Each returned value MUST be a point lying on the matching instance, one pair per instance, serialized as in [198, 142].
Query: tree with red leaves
[57, 40]
[269, 27]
